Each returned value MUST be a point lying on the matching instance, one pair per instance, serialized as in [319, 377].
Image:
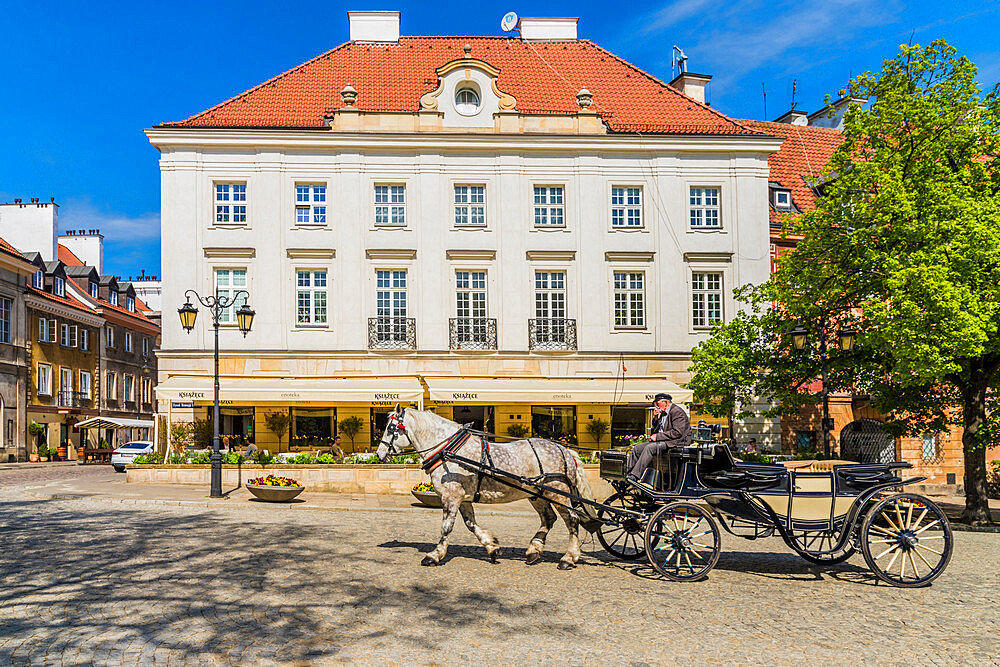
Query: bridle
[395, 427]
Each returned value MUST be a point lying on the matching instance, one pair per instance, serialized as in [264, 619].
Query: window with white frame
[470, 205]
[128, 341]
[85, 339]
[231, 203]
[85, 387]
[390, 294]
[109, 336]
[66, 386]
[145, 346]
[626, 206]
[704, 208]
[310, 204]
[58, 286]
[549, 206]
[44, 384]
[129, 389]
[390, 205]
[95, 290]
[113, 297]
[550, 295]
[64, 335]
[38, 280]
[146, 385]
[782, 199]
[470, 294]
[130, 303]
[110, 386]
[630, 308]
[227, 283]
[706, 299]
[310, 297]
[6, 307]
[46, 330]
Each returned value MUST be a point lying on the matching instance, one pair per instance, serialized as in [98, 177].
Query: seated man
[671, 428]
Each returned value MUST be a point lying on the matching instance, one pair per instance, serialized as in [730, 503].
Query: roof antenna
[678, 60]
[763, 90]
[795, 83]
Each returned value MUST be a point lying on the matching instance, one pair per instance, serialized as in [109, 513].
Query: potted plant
[426, 494]
[42, 452]
[350, 427]
[597, 428]
[277, 423]
[53, 453]
[274, 489]
[38, 432]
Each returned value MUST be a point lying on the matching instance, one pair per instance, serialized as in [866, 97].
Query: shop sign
[559, 397]
[383, 397]
[190, 394]
[464, 395]
[182, 404]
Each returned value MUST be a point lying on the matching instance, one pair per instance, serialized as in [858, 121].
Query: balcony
[472, 333]
[392, 333]
[551, 333]
[72, 399]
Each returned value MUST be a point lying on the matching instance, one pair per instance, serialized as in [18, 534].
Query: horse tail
[583, 485]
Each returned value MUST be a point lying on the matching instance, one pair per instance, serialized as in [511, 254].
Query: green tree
[277, 423]
[597, 428]
[350, 426]
[903, 245]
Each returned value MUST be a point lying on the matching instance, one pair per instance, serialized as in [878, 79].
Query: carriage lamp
[188, 315]
[244, 316]
[847, 336]
[799, 337]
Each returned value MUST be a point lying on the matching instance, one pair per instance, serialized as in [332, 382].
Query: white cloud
[116, 227]
[672, 14]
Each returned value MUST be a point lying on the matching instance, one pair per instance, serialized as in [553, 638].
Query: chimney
[793, 117]
[823, 118]
[692, 85]
[376, 27]
[547, 29]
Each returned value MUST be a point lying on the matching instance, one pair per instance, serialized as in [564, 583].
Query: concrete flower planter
[428, 498]
[274, 494]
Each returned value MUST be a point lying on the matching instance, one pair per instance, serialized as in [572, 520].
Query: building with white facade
[509, 230]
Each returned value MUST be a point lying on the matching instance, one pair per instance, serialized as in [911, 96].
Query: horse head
[390, 446]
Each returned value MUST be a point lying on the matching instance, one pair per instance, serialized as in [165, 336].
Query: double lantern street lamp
[845, 341]
[188, 313]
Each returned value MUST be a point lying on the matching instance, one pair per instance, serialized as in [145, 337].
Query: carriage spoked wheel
[683, 542]
[621, 539]
[906, 540]
[820, 545]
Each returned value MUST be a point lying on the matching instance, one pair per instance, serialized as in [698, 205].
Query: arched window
[467, 101]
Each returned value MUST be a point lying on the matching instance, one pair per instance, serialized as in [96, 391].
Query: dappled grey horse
[550, 462]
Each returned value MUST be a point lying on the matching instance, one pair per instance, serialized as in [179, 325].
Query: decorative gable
[467, 94]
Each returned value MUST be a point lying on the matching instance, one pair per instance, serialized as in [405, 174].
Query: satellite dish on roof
[508, 22]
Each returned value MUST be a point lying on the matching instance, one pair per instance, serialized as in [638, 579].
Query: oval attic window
[467, 101]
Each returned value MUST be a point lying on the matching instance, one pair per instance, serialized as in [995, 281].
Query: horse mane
[428, 418]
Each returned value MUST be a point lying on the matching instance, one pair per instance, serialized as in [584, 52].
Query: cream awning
[286, 390]
[551, 390]
[114, 422]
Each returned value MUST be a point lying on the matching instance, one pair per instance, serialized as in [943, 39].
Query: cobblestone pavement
[20, 474]
[93, 582]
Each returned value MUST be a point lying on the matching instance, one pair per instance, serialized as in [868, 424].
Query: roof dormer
[467, 93]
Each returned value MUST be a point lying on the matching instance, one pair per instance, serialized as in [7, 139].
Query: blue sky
[80, 80]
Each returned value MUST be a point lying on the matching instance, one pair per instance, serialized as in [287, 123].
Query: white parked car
[122, 456]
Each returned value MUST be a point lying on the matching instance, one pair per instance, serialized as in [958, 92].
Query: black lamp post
[244, 318]
[845, 341]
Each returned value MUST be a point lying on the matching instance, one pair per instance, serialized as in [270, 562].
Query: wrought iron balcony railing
[72, 399]
[392, 333]
[472, 333]
[551, 333]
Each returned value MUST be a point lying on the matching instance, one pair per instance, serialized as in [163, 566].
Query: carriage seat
[723, 470]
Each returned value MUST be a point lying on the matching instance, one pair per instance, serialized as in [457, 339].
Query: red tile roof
[67, 257]
[11, 250]
[804, 154]
[64, 300]
[543, 78]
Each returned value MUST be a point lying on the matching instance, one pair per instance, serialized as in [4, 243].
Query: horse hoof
[494, 556]
[533, 558]
[427, 561]
[564, 565]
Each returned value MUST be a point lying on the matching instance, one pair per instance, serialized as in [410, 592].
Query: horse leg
[484, 536]
[450, 505]
[572, 555]
[548, 517]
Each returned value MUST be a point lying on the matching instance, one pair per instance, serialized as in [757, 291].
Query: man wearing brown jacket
[671, 428]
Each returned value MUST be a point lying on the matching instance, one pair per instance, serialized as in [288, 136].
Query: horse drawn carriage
[676, 514]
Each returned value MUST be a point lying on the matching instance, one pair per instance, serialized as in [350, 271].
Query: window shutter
[74, 332]
[41, 329]
[52, 330]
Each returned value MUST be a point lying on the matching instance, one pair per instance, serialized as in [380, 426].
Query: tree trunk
[977, 506]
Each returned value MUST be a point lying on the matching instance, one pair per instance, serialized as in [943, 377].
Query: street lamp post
[845, 341]
[244, 317]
